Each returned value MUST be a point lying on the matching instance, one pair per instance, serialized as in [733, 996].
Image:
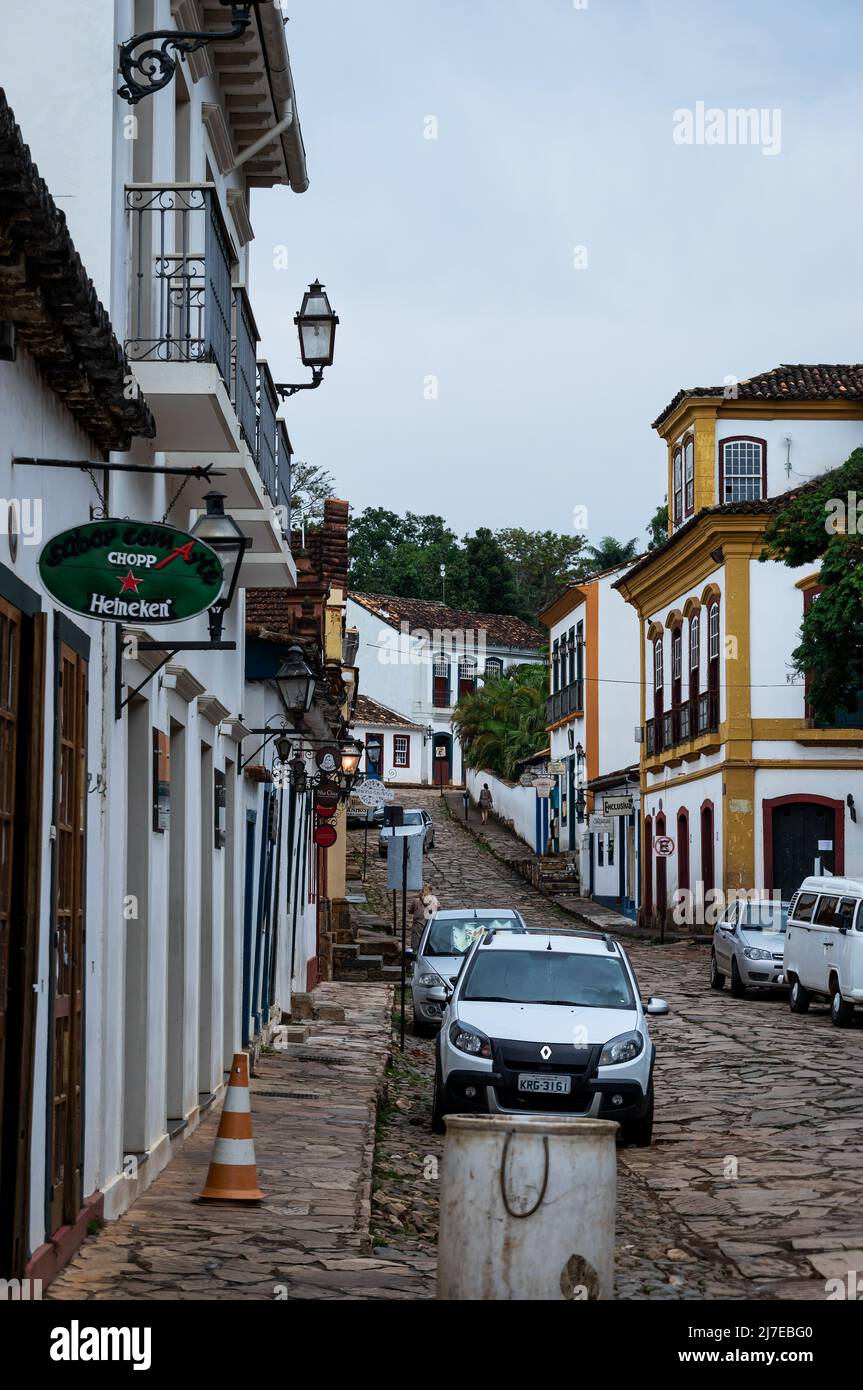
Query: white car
[445, 941]
[824, 946]
[547, 1023]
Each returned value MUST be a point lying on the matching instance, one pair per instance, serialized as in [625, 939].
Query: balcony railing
[181, 280]
[245, 375]
[569, 700]
[265, 454]
[283, 459]
[679, 725]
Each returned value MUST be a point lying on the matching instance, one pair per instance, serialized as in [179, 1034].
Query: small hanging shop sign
[131, 571]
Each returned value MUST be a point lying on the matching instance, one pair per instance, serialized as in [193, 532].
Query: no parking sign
[663, 846]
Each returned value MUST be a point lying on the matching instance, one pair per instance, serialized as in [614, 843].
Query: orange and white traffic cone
[233, 1175]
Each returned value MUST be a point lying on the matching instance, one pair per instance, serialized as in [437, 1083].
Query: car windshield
[550, 977]
[766, 916]
[413, 818]
[451, 936]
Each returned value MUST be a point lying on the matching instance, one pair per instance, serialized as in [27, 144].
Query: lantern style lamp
[316, 326]
[351, 752]
[296, 682]
[218, 529]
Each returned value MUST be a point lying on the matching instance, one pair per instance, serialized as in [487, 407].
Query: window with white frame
[694, 642]
[401, 750]
[678, 486]
[689, 475]
[742, 470]
[658, 667]
[676, 654]
[713, 632]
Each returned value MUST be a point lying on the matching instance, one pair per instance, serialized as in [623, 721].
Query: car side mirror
[656, 1006]
[843, 930]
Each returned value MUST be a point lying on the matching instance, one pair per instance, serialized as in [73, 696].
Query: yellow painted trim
[691, 607]
[808, 581]
[792, 730]
[683, 567]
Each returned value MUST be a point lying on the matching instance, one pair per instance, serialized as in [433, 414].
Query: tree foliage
[657, 527]
[610, 553]
[503, 721]
[545, 563]
[311, 485]
[822, 523]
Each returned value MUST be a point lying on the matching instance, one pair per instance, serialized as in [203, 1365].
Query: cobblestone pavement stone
[752, 1187]
[313, 1109]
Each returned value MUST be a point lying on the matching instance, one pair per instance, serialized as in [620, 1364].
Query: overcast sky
[454, 257]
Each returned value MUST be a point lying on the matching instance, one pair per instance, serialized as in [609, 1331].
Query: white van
[824, 946]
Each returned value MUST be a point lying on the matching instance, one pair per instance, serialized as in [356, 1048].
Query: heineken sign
[131, 571]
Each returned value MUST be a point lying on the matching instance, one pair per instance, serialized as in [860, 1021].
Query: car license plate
[544, 1085]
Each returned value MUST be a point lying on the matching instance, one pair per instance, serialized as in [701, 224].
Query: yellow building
[734, 770]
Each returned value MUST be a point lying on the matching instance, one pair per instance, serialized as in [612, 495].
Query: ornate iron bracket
[285, 389]
[154, 67]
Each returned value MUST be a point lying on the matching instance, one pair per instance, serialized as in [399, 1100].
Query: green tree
[503, 721]
[311, 485]
[490, 575]
[821, 523]
[657, 527]
[390, 554]
[545, 563]
[610, 553]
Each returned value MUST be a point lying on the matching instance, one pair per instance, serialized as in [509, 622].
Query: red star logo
[129, 582]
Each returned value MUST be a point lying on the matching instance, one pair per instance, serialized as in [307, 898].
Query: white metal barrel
[527, 1208]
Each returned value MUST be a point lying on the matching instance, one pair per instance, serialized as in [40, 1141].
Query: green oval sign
[131, 571]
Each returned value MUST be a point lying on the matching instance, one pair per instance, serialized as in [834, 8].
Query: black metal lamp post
[580, 799]
[316, 326]
[218, 529]
[161, 50]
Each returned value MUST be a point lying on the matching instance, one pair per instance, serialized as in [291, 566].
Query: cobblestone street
[753, 1184]
[751, 1189]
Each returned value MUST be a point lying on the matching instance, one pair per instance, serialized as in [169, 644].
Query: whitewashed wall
[513, 802]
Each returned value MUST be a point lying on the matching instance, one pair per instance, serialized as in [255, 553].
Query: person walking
[423, 908]
[485, 802]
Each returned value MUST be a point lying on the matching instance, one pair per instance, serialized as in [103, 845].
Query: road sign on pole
[663, 846]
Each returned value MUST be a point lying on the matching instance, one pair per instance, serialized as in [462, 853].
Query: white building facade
[149, 908]
[592, 712]
[416, 657]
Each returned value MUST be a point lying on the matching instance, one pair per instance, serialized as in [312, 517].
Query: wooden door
[68, 964]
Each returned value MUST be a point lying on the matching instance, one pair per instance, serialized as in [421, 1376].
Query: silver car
[413, 818]
[749, 947]
[443, 945]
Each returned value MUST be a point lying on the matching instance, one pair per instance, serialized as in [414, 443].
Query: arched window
[689, 475]
[707, 873]
[676, 680]
[713, 632]
[555, 665]
[493, 668]
[678, 487]
[658, 680]
[661, 873]
[694, 663]
[683, 848]
[647, 861]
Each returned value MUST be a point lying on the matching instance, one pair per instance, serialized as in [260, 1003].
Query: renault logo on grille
[545, 1052]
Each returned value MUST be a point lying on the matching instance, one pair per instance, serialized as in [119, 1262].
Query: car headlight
[621, 1049]
[430, 980]
[469, 1040]
[756, 953]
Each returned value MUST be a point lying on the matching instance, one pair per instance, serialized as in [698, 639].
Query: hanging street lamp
[296, 683]
[218, 529]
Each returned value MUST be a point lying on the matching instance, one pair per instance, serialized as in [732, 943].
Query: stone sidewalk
[314, 1111]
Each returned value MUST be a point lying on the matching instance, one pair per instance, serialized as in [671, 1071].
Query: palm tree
[503, 721]
[610, 553]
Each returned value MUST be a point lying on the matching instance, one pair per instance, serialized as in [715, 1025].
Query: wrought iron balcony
[569, 700]
[245, 369]
[265, 449]
[182, 259]
[684, 722]
[283, 459]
